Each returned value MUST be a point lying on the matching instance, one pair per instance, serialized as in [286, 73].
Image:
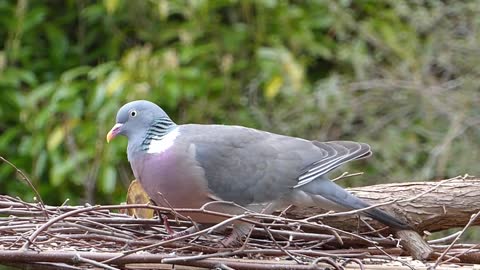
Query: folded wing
[334, 154]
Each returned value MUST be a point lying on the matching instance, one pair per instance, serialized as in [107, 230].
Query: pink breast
[176, 176]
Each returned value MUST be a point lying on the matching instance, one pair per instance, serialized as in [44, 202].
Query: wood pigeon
[192, 165]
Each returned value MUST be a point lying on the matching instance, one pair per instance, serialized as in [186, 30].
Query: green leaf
[8, 136]
[108, 179]
[40, 164]
[40, 92]
[101, 70]
[74, 73]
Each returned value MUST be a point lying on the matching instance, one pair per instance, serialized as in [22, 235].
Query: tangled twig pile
[100, 236]
[75, 237]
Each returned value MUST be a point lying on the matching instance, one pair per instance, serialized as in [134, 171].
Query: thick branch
[430, 206]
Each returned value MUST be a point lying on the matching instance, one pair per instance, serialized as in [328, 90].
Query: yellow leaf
[273, 87]
[136, 195]
[115, 82]
[110, 5]
[3, 60]
[55, 138]
[293, 71]
[163, 9]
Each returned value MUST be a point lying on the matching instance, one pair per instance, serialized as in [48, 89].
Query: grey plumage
[191, 165]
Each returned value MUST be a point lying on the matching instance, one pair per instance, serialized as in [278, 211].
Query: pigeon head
[135, 118]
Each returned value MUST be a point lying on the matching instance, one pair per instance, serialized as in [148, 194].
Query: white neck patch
[160, 146]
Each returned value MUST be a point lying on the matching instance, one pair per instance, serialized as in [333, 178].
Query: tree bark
[426, 206]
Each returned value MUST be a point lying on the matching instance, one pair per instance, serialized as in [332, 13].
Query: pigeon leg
[181, 233]
[190, 230]
[167, 225]
[237, 236]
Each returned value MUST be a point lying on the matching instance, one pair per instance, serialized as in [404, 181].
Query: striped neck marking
[160, 136]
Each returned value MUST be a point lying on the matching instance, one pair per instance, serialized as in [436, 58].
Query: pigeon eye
[133, 113]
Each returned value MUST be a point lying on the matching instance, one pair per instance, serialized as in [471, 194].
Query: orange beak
[114, 132]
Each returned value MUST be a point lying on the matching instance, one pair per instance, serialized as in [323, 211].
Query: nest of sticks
[38, 236]
[103, 236]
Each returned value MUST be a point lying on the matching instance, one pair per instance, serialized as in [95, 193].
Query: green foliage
[398, 75]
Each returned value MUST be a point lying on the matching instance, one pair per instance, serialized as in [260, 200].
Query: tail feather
[335, 193]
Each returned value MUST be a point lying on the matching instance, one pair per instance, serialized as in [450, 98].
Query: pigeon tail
[332, 192]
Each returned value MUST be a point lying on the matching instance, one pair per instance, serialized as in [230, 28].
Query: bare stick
[472, 219]
[26, 179]
[31, 239]
[93, 262]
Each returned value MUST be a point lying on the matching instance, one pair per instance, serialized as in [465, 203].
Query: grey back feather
[263, 166]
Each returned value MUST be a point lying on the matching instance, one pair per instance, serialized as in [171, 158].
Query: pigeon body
[191, 165]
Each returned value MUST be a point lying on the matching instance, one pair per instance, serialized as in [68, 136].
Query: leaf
[111, 5]
[58, 43]
[108, 180]
[273, 87]
[56, 174]
[115, 82]
[8, 137]
[55, 138]
[39, 93]
[40, 164]
[74, 73]
[163, 8]
[34, 17]
[137, 195]
[101, 70]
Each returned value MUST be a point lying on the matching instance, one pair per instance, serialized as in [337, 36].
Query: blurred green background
[400, 75]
